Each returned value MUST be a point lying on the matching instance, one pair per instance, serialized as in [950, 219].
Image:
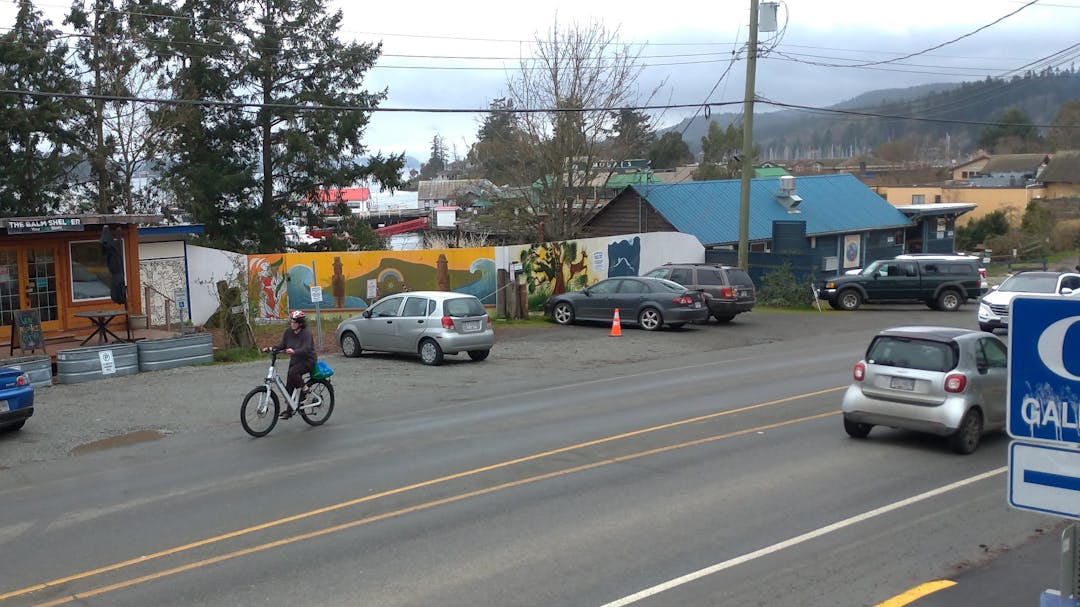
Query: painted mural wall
[551, 268]
[350, 281]
[353, 280]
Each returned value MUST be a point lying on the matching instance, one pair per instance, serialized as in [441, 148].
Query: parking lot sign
[1044, 369]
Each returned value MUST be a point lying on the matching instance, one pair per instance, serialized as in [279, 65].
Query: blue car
[16, 398]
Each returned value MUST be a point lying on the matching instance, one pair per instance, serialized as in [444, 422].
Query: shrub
[780, 288]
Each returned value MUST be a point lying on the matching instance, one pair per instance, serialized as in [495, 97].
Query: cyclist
[299, 344]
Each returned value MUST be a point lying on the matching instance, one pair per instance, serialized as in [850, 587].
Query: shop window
[90, 278]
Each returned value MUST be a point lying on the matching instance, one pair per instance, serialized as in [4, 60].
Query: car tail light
[487, 321]
[859, 372]
[684, 300]
[727, 292]
[982, 273]
[24, 380]
[955, 382]
[447, 322]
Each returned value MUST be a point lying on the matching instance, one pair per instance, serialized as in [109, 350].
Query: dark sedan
[647, 302]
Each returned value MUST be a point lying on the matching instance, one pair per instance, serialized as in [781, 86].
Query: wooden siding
[627, 214]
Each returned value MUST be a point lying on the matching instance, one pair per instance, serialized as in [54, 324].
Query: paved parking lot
[71, 419]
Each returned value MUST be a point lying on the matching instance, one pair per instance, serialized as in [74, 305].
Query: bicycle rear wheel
[321, 391]
[259, 413]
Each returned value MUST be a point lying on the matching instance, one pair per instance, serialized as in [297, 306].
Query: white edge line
[739, 560]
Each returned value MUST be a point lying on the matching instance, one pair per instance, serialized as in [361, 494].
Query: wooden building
[58, 267]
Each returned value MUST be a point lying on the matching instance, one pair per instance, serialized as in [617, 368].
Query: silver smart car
[426, 323]
[939, 380]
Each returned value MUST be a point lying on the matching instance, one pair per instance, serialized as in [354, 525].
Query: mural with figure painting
[353, 280]
[557, 267]
[267, 285]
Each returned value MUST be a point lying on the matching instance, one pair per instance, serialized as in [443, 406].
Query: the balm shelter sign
[54, 224]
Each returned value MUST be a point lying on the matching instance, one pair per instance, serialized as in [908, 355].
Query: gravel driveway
[77, 418]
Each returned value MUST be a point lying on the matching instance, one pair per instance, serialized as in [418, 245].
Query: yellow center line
[917, 593]
[428, 483]
[416, 508]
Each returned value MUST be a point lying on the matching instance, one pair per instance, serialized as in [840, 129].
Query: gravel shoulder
[71, 420]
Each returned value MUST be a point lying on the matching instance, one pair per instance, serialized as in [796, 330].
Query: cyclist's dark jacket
[303, 345]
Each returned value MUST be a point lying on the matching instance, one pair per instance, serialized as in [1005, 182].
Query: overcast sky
[439, 54]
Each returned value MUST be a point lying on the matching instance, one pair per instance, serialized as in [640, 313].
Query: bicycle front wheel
[321, 397]
[259, 413]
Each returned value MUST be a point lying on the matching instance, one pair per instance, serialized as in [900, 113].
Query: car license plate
[902, 383]
[472, 325]
[4, 407]
[697, 304]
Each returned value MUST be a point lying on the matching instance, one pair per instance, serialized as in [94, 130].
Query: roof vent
[787, 196]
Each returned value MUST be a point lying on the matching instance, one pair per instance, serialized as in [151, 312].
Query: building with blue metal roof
[835, 217]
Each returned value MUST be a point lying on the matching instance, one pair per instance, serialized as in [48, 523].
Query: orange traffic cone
[616, 327]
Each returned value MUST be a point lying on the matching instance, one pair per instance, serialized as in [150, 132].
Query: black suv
[943, 282]
[728, 291]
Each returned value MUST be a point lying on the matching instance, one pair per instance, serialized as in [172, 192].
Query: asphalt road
[570, 468]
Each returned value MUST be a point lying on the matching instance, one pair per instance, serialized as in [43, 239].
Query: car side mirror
[1066, 291]
[585, 291]
[366, 313]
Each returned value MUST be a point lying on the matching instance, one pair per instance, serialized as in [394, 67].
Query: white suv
[994, 306]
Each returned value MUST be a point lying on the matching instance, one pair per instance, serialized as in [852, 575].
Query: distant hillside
[793, 134]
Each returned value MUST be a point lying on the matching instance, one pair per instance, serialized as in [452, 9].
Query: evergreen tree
[1064, 134]
[297, 69]
[437, 162]
[1013, 134]
[243, 170]
[40, 133]
[634, 135]
[212, 160]
[499, 154]
[669, 152]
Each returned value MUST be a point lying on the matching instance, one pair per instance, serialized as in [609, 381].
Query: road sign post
[1044, 420]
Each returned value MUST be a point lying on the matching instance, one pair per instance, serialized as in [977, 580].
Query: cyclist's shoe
[286, 414]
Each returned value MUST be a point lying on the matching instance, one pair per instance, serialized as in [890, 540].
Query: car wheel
[949, 300]
[834, 305]
[350, 344]
[855, 429]
[986, 328]
[849, 300]
[650, 319]
[563, 313]
[724, 317]
[966, 438]
[430, 352]
[479, 355]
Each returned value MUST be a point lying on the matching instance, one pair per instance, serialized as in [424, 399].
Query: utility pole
[748, 141]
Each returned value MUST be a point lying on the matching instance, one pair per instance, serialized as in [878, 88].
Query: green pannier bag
[322, 371]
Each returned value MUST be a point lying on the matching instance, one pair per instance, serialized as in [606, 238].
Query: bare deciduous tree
[571, 92]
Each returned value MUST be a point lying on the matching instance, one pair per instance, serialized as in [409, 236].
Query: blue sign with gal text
[1044, 369]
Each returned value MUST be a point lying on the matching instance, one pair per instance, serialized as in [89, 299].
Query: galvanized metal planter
[39, 368]
[98, 362]
[157, 354]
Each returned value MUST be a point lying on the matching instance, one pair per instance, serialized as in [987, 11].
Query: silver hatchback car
[429, 324]
[939, 380]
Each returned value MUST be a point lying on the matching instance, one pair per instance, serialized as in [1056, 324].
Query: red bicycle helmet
[298, 316]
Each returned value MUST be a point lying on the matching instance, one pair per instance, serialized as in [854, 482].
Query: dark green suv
[942, 282]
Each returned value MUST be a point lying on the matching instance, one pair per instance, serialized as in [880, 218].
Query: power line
[417, 110]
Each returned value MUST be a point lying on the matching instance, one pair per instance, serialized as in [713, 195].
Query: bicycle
[261, 409]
